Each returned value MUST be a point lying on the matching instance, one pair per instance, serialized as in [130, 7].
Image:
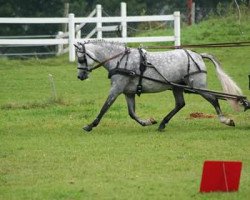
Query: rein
[105, 61]
[84, 60]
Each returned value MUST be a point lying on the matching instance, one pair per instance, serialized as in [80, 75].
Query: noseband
[83, 59]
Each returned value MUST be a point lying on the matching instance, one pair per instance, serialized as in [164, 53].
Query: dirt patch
[199, 115]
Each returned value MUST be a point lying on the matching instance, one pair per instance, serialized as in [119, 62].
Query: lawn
[45, 154]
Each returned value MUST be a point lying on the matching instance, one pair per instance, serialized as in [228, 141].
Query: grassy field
[44, 154]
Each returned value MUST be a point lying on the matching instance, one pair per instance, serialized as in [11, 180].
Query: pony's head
[100, 52]
[85, 59]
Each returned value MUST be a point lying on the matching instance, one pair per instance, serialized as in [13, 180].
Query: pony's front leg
[110, 100]
[130, 98]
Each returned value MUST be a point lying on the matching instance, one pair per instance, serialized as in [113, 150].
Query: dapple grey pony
[175, 66]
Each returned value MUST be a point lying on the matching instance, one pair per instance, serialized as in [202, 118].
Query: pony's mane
[105, 43]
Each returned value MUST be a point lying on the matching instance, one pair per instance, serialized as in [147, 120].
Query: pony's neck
[106, 51]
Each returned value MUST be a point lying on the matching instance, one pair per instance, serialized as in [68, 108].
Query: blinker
[81, 60]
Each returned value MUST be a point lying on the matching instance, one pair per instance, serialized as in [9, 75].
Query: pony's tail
[228, 85]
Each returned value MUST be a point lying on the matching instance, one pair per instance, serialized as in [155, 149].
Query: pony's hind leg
[130, 98]
[199, 81]
[214, 101]
[179, 104]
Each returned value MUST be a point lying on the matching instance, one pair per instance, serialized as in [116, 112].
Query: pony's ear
[77, 47]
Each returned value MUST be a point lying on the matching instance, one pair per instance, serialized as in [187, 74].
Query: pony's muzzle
[82, 77]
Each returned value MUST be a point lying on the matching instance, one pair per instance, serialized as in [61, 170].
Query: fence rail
[33, 20]
[32, 42]
[72, 36]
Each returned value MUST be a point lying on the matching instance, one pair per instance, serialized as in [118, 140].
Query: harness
[123, 71]
[188, 67]
[144, 64]
[83, 60]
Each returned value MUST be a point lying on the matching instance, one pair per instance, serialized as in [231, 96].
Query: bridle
[83, 59]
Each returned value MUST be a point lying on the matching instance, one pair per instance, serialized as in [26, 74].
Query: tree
[29, 8]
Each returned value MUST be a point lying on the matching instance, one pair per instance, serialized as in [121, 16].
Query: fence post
[177, 29]
[99, 23]
[193, 13]
[189, 7]
[71, 37]
[65, 14]
[59, 46]
[78, 33]
[124, 22]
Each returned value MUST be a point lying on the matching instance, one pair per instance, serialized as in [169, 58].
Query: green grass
[44, 154]
[217, 29]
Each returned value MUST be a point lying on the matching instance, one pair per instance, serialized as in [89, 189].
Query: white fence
[71, 20]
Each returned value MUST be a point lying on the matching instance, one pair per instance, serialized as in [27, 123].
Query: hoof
[148, 122]
[228, 122]
[153, 121]
[246, 104]
[161, 128]
[231, 123]
[87, 128]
